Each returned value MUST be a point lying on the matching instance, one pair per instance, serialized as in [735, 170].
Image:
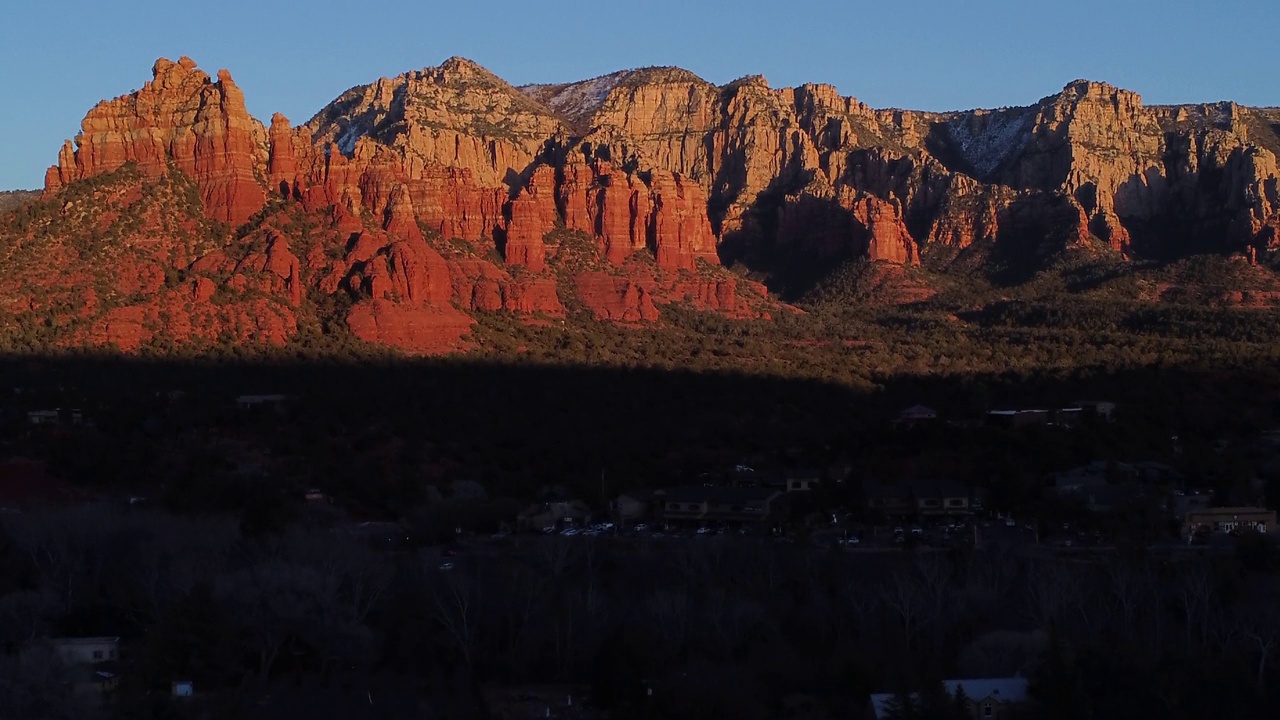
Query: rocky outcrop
[680, 228]
[279, 269]
[455, 115]
[258, 322]
[533, 214]
[400, 219]
[285, 147]
[1147, 179]
[621, 203]
[574, 193]
[481, 285]
[721, 295]
[887, 236]
[181, 117]
[615, 298]
[416, 330]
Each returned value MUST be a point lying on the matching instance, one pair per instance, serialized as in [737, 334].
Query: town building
[994, 699]
[1229, 520]
[56, 416]
[923, 498]
[250, 402]
[916, 415]
[802, 480]
[735, 505]
[633, 507]
[1019, 418]
[88, 666]
[1101, 409]
[551, 513]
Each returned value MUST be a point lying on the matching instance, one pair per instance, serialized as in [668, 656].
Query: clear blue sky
[57, 58]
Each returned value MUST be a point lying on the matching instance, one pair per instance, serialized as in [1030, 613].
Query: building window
[987, 710]
[955, 502]
[97, 654]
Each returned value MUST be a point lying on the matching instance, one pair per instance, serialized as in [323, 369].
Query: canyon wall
[447, 191]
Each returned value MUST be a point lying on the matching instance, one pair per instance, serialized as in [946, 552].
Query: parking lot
[847, 536]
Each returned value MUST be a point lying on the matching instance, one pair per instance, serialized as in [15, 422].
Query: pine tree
[961, 704]
[935, 702]
[1057, 687]
[901, 705]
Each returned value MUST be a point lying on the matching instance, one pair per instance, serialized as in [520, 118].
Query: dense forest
[721, 628]
[226, 578]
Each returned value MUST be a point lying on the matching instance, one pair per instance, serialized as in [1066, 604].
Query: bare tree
[454, 602]
[58, 546]
[1193, 591]
[1002, 653]
[271, 601]
[521, 599]
[558, 553]
[936, 574]
[1129, 587]
[22, 616]
[671, 611]
[991, 576]
[1258, 622]
[1053, 590]
[35, 687]
[863, 601]
[728, 616]
[905, 595]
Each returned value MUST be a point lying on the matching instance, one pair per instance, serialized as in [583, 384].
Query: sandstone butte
[660, 164]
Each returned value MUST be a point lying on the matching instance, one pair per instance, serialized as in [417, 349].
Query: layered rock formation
[181, 117]
[794, 169]
[533, 213]
[447, 191]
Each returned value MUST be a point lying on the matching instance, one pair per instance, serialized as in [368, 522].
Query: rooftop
[998, 689]
[716, 495]
[1232, 511]
[84, 640]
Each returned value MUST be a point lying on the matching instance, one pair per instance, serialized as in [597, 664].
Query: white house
[86, 651]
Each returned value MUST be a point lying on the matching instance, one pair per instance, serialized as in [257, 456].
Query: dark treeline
[376, 434]
[717, 628]
[227, 580]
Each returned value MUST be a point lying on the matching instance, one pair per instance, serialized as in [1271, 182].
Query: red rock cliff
[533, 214]
[180, 116]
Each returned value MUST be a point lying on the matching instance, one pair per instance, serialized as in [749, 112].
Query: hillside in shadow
[381, 432]
[202, 555]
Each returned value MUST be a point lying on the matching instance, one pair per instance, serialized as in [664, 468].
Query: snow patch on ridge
[987, 140]
[577, 101]
[347, 140]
